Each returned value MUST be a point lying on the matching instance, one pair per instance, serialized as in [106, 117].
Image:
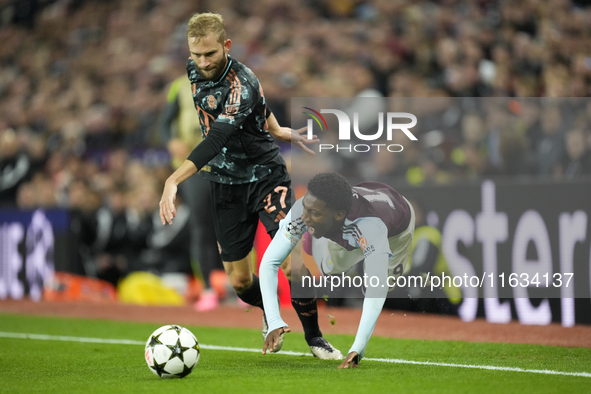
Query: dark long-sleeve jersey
[235, 103]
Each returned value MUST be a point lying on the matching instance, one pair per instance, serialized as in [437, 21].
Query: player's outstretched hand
[301, 140]
[351, 361]
[273, 338]
[167, 207]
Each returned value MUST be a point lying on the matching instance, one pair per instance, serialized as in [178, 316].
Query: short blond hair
[202, 24]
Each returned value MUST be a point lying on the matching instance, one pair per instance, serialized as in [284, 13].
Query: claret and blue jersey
[377, 214]
[378, 229]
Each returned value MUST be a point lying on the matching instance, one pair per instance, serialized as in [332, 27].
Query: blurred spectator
[14, 167]
[550, 149]
[578, 158]
[80, 75]
[114, 233]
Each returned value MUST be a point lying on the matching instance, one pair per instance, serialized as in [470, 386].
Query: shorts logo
[220, 248]
[212, 103]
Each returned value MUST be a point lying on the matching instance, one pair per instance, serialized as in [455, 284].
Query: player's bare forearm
[184, 172]
[294, 137]
[278, 132]
[167, 207]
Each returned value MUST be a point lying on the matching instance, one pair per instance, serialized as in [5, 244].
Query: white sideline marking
[42, 337]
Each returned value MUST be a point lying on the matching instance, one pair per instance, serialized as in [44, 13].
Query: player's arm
[218, 136]
[376, 264]
[280, 247]
[372, 307]
[289, 135]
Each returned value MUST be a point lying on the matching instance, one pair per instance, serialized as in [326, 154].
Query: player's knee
[241, 282]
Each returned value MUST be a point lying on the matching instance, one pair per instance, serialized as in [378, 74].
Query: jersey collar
[226, 70]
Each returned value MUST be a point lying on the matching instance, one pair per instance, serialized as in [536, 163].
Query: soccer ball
[172, 352]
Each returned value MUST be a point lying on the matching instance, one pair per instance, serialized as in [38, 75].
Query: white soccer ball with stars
[172, 351]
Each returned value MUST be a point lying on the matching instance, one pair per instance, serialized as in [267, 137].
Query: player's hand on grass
[273, 338]
[351, 361]
[167, 207]
[301, 140]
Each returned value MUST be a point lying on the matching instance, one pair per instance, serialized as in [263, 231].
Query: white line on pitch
[243, 349]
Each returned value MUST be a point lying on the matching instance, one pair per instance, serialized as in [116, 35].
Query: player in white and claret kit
[368, 222]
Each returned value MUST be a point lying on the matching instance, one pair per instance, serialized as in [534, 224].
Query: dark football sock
[253, 295]
[307, 310]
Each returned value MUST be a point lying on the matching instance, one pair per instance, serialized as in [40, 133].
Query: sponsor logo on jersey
[363, 243]
[367, 249]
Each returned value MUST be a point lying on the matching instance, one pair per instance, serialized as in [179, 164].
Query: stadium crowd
[83, 84]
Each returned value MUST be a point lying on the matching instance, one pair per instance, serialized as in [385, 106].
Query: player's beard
[214, 73]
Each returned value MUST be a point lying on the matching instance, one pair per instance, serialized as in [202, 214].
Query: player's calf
[252, 294]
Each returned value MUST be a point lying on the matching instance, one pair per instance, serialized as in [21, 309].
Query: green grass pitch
[52, 366]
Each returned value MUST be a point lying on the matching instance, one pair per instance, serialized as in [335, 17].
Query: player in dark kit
[249, 179]
[369, 222]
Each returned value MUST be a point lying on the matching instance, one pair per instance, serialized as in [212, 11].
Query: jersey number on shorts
[270, 208]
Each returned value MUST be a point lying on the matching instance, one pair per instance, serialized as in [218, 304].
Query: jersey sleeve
[373, 237]
[289, 234]
[372, 307]
[376, 250]
[292, 227]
